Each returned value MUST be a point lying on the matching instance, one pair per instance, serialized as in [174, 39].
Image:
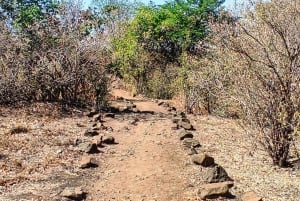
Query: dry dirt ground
[147, 162]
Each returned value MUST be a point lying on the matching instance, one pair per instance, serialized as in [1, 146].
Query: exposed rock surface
[87, 162]
[215, 190]
[190, 143]
[203, 160]
[217, 174]
[73, 193]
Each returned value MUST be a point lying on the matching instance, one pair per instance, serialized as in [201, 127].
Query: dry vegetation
[57, 58]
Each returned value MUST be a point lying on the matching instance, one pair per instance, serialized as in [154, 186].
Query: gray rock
[184, 134]
[108, 140]
[90, 133]
[92, 113]
[185, 125]
[193, 151]
[73, 193]
[133, 121]
[217, 174]
[88, 147]
[203, 160]
[190, 143]
[175, 120]
[181, 114]
[164, 104]
[109, 115]
[97, 118]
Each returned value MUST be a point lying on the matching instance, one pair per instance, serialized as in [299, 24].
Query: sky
[227, 3]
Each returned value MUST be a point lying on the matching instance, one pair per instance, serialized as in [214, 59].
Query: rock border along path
[147, 168]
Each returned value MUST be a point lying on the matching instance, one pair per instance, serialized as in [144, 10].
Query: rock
[108, 140]
[97, 118]
[217, 174]
[88, 147]
[90, 133]
[175, 120]
[185, 125]
[109, 115]
[203, 159]
[73, 193]
[133, 121]
[135, 110]
[117, 106]
[92, 113]
[183, 135]
[190, 143]
[97, 126]
[108, 129]
[185, 120]
[173, 109]
[251, 196]
[77, 142]
[181, 114]
[164, 104]
[193, 151]
[215, 190]
[87, 162]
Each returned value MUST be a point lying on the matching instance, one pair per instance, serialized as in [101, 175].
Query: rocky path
[147, 163]
[140, 150]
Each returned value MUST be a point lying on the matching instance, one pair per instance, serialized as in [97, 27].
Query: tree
[156, 39]
[263, 51]
[174, 27]
[24, 13]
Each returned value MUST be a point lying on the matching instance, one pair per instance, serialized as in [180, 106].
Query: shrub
[262, 51]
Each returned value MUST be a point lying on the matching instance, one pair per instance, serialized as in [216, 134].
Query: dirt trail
[147, 163]
[42, 161]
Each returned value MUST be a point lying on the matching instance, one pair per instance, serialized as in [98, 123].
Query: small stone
[97, 126]
[73, 193]
[87, 162]
[92, 113]
[77, 141]
[184, 134]
[97, 118]
[185, 120]
[193, 151]
[175, 120]
[251, 196]
[108, 140]
[217, 174]
[133, 121]
[109, 115]
[215, 190]
[185, 125]
[90, 133]
[190, 143]
[164, 104]
[135, 110]
[181, 114]
[88, 147]
[203, 159]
